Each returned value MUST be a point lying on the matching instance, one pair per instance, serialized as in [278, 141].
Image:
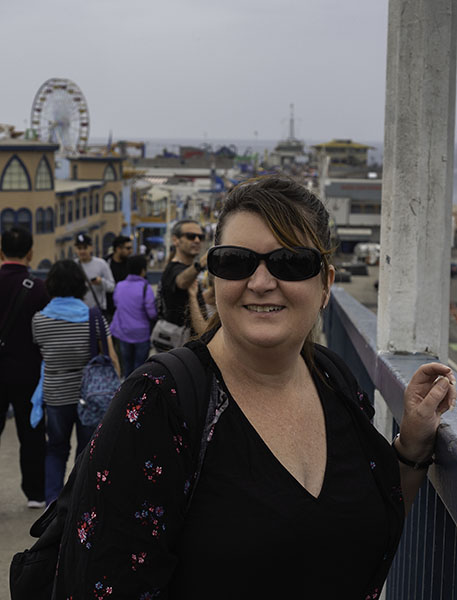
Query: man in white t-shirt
[97, 272]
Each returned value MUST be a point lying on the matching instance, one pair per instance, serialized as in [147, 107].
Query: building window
[365, 208]
[44, 265]
[97, 204]
[70, 211]
[91, 205]
[110, 173]
[97, 245]
[49, 220]
[7, 219]
[43, 177]
[77, 208]
[109, 202]
[24, 219]
[70, 252]
[74, 170]
[15, 176]
[84, 206]
[62, 212]
[39, 221]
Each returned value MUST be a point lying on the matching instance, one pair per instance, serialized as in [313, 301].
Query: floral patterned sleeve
[129, 499]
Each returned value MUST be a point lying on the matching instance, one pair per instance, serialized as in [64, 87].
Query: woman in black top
[298, 496]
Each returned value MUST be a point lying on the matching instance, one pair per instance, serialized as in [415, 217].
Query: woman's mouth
[263, 308]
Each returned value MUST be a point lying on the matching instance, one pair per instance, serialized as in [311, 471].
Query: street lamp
[167, 219]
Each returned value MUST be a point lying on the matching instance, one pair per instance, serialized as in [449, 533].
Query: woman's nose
[262, 280]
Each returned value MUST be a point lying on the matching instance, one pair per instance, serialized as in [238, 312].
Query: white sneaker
[36, 504]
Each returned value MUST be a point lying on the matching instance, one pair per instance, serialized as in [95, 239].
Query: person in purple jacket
[135, 310]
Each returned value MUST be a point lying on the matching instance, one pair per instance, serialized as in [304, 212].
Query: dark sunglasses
[192, 236]
[235, 262]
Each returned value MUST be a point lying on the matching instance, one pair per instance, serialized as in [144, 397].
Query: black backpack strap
[191, 381]
[95, 316]
[342, 378]
[89, 285]
[27, 285]
[193, 385]
[92, 332]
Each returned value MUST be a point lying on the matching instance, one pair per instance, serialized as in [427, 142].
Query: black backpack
[32, 571]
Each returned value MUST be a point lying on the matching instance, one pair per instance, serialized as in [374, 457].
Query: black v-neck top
[253, 531]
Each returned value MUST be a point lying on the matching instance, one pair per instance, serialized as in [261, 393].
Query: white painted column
[414, 282]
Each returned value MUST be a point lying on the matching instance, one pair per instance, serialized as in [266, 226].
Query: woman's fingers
[441, 395]
[430, 371]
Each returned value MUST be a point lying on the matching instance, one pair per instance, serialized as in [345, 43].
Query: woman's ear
[330, 280]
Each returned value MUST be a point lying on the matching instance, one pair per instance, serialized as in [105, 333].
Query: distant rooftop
[8, 143]
[341, 144]
[66, 186]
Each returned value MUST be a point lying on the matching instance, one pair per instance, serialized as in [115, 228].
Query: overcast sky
[202, 68]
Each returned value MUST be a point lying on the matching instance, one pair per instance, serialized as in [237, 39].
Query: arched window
[44, 265]
[109, 202]
[110, 173]
[24, 219]
[39, 221]
[7, 219]
[70, 211]
[62, 212]
[107, 242]
[15, 176]
[49, 220]
[43, 177]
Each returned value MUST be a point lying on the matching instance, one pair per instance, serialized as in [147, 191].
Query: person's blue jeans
[133, 355]
[59, 425]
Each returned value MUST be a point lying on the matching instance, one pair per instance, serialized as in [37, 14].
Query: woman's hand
[430, 393]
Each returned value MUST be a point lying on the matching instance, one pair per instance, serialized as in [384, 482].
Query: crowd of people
[50, 339]
[293, 478]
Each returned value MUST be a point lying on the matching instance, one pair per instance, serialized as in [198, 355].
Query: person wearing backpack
[134, 315]
[20, 297]
[278, 486]
[61, 330]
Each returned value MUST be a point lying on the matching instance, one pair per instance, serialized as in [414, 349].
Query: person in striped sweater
[61, 330]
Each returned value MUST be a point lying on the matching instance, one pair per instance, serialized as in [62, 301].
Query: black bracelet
[417, 466]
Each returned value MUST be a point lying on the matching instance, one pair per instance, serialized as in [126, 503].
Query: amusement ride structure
[60, 115]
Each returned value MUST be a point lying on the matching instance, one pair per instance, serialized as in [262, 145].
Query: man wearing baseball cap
[99, 277]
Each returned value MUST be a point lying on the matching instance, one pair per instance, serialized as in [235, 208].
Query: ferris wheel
[60, 115]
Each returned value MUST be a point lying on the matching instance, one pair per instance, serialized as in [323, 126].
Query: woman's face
[243, 305]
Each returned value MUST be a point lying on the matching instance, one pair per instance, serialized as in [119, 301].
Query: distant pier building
[55, 210]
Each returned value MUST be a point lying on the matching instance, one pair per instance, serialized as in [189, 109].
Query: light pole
[168, 220]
